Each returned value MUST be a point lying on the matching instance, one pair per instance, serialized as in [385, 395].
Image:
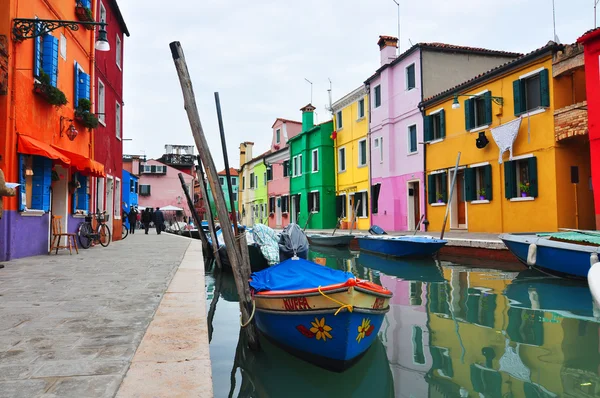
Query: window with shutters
[531, 92]
[100, 194]
[410, 77]
[118, 120]
[233, 181]
[252, 181]
[117, 206]
[82, 86]
[361, 108]
[101, 102]
[478, 111]
[314, 199]
[375, 198]
[338, 120]
[417, 344]
[269, 173]
[377, 97]
[45, 51]
[286, 168]
[520, 179]
[118, 52]
[144, 190]
[255, 181]
[340, 206]
[221, 181]
[235, 196]
[81, 196]
[271, 205]
[35, 177]
[412, 139]
[363, 208]
[265, 178]
[285, 204]
[277, 136]
[102, 13]
[478, 183]
[362, 153]
[341, 159]
[315, 160]
[434, 126]
[437, 188]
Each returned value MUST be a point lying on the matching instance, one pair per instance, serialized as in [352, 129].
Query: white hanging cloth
[505, 136]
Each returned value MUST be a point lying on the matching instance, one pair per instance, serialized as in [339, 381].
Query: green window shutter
[488, 107]
[544, 88]
[470, 184]
[431, 188]
[444, 185]
[518, 99]
[487, 181]
[427, 130]
[442, 123]
[533, 178]
[468, 114]
[510, 180]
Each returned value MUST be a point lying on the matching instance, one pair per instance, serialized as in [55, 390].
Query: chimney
[387, 48]
[245, 152]
[308, 118]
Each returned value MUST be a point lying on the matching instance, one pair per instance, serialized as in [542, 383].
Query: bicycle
[124, 231]
[86, 234]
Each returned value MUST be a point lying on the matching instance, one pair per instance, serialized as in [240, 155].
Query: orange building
[46, 120]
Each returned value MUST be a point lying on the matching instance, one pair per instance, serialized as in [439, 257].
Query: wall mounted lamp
[29, 28]
[71, 131]
[456, 104]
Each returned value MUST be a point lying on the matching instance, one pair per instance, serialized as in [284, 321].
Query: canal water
[452, 331]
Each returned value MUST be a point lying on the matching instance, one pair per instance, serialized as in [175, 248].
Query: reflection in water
[451, 331]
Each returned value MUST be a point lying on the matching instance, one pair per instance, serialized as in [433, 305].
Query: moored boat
[292, 243]
[562, 253]
[324, 316]
[330, 240]
[401, 246]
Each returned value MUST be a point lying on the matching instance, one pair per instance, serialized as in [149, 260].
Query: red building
[108, 144]
[591, 49]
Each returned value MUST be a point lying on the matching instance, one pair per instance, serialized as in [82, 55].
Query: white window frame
[118, 113]
[102, 12]
[294, 166]
[363, 204]
[340, 169]
[101, 108]
[300, 165]
[277, 136]
[408, 151]
[406, 77]
[117, 195]
[362, 100]
[314, 162]
[100, 194]
[313, 203]
[338, 120]
[366, 153]
[118, 52]
[63, 47]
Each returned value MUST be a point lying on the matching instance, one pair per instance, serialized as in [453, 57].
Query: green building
[259, 204]
[312, 162]
[234, 188]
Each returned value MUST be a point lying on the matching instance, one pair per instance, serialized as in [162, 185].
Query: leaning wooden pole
[211, 221]
[233, 250]
[450, 197]
[197, 219]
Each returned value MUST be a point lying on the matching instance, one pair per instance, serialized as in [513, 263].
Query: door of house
[278, 211]
[59, 203]
[350, 210]
[460, 196]
[414, 207]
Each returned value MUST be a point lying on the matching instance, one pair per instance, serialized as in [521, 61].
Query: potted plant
[481, 193]
[46, 90]
[440, 198]
[524, 187]
[83, 114]
[84, 14]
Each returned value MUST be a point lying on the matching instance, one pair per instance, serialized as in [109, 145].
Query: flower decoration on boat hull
[364, 329]
[319, 330]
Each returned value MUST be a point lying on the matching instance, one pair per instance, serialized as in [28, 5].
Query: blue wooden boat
[401, 246]
[324, 316]
[559, 253]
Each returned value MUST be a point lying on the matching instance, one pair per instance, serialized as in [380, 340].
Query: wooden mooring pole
[450, 197]
[210, 221]
[237, 253]
[195, 215]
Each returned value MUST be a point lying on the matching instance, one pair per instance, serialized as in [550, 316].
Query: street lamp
[29, 28]
[456, 104]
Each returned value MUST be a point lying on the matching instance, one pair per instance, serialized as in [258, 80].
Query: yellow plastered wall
[536, 136]
[354, 179]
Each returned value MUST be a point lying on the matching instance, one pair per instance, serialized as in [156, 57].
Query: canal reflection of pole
[218, 274]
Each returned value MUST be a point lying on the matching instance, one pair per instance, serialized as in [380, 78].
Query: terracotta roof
[285, 121]
[588, 35]
[551, 46]
[443, 47]
[232, 172]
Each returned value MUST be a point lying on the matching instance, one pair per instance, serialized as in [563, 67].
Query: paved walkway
[70, 325]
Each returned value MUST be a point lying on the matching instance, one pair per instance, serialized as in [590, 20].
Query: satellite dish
[482, 140]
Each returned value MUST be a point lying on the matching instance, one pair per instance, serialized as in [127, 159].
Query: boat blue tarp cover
[297, 274]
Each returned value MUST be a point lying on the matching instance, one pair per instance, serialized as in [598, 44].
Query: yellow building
[532, 108]
[351, 125]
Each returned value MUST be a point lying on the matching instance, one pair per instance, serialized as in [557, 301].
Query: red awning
[82, 163]
[30, 146]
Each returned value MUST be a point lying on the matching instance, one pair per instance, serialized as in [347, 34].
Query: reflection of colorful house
[535, 101]
[42, 146]
[278, 172]
[482, 344]
[350, 118]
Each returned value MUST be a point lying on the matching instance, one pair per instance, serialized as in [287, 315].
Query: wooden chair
[58, 234]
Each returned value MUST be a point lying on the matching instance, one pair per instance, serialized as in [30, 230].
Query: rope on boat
[243, 325]
[348, 306]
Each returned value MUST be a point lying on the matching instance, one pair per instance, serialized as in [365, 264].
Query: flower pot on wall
[524, 194]
[440, 201]
[481, 197]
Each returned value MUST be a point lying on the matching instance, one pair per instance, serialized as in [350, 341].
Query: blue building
[130, 186]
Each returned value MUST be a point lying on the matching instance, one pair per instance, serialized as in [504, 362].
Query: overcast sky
[256, 54]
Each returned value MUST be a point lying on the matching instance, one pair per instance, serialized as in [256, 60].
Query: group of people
[146, 217]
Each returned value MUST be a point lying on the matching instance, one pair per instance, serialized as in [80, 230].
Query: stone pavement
[70, 325]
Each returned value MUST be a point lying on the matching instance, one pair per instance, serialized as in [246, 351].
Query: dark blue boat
[324, 316]
[401, 246]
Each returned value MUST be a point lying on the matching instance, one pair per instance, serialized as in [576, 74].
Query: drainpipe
[368, 88]
[425, 221]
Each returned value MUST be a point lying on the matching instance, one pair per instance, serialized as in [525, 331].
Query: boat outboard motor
[292, 243]
[377, 230]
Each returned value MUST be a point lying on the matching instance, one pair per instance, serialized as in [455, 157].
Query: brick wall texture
[571, 121]
[3, 65]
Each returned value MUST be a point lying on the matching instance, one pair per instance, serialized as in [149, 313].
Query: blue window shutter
[86, 3]
[87, 86]
[47, 183]
[84, 85]
[22, 194]
[37, 194]
[76, 86]
[37, 53]
[82, 196]
[50, 58]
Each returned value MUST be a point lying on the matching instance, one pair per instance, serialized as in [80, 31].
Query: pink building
[159, 185]
[278, 171]
[396, 125]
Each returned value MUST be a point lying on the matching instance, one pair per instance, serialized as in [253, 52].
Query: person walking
[146, 218]
[4, 191]
[132, 217]
[159, 220]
